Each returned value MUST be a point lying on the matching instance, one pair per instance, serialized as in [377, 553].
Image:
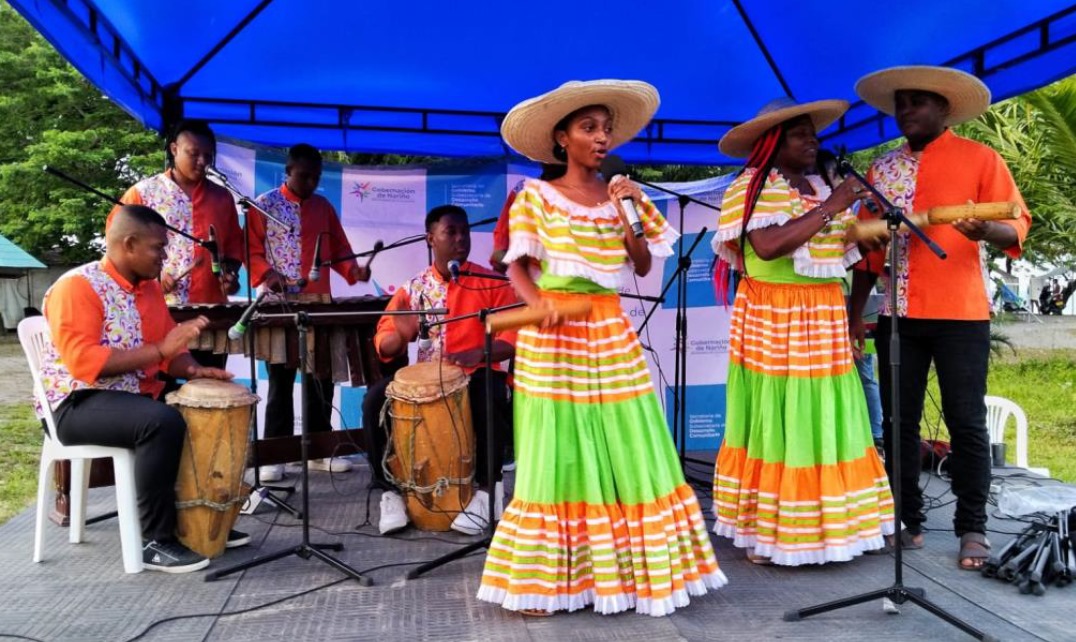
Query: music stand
[491, 453]
[898, 593]
[305, 549]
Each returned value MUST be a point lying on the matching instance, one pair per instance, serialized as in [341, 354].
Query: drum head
[211, 393]
[430, 380]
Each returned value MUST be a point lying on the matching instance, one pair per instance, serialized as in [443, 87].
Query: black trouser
[376, 436]
[280, 409]
[960, 351]
[154, 430]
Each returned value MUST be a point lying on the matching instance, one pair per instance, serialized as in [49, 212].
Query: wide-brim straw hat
[968, 96]
[738, 141]
[528, 127]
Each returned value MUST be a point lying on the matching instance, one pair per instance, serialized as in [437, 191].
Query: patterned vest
[428, 291]
[283, 245]
[122, 329]
[162, 193]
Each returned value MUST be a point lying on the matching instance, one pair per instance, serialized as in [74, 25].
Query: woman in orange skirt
[797, 480]
[601, 514]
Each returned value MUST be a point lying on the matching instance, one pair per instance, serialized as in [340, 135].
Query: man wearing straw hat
[944, 305]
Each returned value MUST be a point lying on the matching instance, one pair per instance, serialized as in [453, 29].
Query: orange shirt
[291, 253]
[429, 289]
[209, 204]
[76, 316]
[950, 171]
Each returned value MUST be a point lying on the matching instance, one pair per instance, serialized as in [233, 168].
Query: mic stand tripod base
[896, 593]
[305, 549]
[265, 493]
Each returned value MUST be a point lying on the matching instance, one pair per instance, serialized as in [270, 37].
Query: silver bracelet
[826, 216]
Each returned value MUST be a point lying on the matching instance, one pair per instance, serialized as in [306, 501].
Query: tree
[49, 114]
[1036, 135]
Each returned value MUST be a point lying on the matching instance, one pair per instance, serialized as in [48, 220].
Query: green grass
[20, 432]
[1043, 383]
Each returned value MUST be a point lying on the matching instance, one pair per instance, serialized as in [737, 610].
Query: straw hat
[967, 95]
[738, 141]
[528, 127]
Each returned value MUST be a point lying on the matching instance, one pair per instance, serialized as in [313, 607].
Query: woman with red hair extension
[797, 480]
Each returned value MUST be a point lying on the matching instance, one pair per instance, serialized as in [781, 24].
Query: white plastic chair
[34, 336]
[998, 411]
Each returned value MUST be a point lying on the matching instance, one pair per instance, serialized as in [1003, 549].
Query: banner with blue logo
[389, 203]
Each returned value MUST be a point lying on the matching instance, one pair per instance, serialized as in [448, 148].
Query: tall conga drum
[431, 457]
[209, 487]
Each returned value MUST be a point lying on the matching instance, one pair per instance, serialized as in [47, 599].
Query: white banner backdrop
[390, 204]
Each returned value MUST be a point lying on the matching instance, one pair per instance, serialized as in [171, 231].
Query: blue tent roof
[434, 77]
[14, 257]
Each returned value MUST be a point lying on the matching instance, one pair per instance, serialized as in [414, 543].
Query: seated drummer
[100, 378]
[278, 257]
[460, 343]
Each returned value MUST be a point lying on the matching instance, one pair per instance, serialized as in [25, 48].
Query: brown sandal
[534, 612]
[974, 551]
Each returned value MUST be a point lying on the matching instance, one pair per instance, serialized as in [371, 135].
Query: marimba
[340, 343]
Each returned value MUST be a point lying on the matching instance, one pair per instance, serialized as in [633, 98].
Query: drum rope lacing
[441, 484]
[237, 496]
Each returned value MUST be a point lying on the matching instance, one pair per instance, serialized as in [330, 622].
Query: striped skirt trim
[802, 515]
[648, 557]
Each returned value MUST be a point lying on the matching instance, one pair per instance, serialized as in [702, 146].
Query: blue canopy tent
[435, 77]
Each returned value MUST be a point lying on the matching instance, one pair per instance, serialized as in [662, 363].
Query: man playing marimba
[189, 202]
[280, 256]
[100, 378]
[460, 343]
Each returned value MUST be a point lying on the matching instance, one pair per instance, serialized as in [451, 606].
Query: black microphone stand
[679, 277]
[260, 491]
[207, 244]
[898, 593]
[491, 451]
[305, 549]
[408, 240]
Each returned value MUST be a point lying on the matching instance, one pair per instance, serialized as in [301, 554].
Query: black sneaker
[237, 539]
[171, 557]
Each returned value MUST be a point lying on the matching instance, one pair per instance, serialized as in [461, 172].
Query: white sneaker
[331, 465]
[474, 518]
[393, 513]
[271, 473]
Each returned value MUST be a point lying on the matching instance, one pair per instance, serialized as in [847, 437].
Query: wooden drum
[209, 488]
[431, 457]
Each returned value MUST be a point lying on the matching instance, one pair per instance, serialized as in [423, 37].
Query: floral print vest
[162, 193]
[122, 329]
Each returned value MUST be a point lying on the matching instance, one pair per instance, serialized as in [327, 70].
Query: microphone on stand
[454, 270]
[214, 173]
[424, 342]
[214, 252]
[240, 328]
[611, 167]
[315, 267]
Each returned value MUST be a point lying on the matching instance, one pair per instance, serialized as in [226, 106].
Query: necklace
[588, 198]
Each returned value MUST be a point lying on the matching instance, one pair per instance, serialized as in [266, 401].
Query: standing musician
[281, 256]
[459, 343]
[189, 202]
[99, 375]
[944, 305]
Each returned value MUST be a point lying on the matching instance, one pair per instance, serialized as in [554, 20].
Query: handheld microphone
[214, 252]
[424, 342]
[611, 167]
[454, 270]
[240, 328]
[315, 267]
